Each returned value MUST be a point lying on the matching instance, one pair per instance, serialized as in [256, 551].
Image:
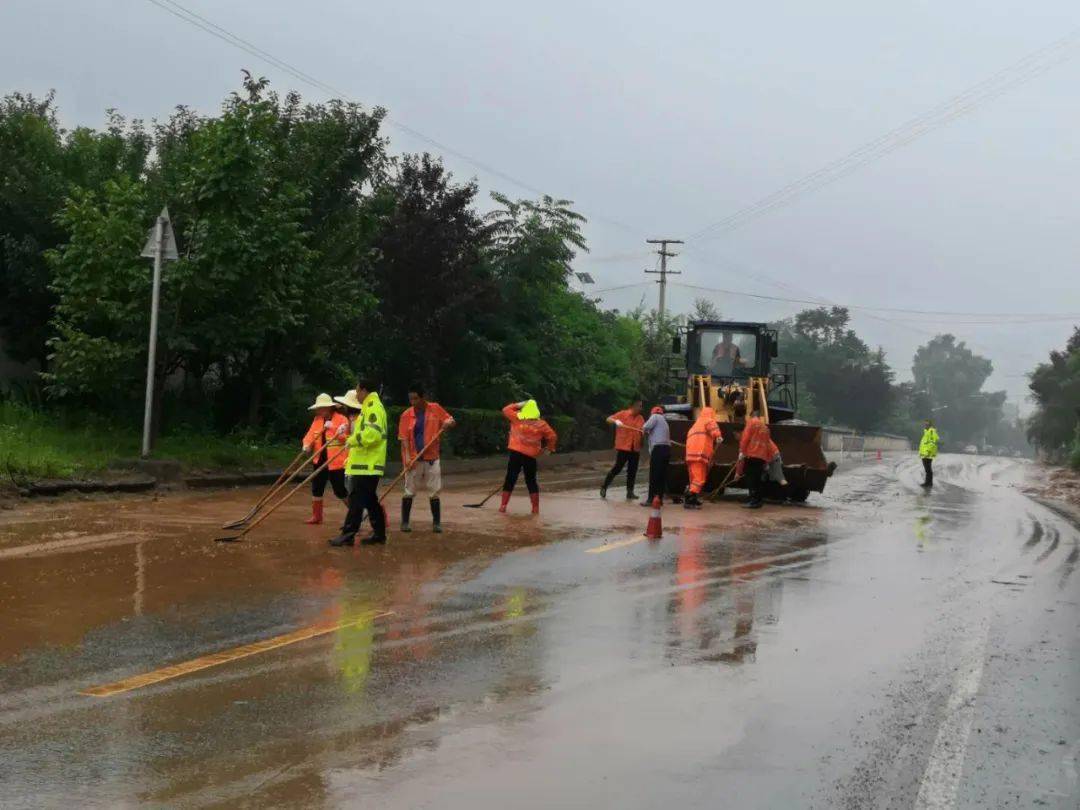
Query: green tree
[842, 380]
[250, 302]
[40, 165]
[1055, 386]
[545, 338]
[948, 380]
[103, 296]
[430, 277]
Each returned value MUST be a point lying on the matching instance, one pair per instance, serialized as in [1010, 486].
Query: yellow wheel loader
[731, 368]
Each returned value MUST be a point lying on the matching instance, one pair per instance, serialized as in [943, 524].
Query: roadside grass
[36, 444]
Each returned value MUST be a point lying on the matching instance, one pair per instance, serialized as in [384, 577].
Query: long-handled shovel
[488, 498]
[716, 493]
[639, 430]
[281, 500]
[283, 479]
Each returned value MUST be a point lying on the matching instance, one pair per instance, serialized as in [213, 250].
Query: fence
[840, 440]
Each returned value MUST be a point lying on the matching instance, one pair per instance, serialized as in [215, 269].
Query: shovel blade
[230, 539]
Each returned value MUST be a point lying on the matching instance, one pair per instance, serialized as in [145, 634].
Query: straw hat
[322, 401]
[349, 400]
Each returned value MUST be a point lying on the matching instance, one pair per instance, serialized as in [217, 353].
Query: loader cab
[729, 351]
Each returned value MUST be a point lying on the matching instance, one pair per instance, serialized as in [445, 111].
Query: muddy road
[881, 647]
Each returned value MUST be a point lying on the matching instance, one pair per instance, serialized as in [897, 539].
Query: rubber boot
[343, 540]
[505, 501]
[436, 515]
[534, 497]
[316, 512]
[406, 510]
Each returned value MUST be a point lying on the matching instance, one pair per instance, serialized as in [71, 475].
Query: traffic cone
[879, 455]
[655, 529]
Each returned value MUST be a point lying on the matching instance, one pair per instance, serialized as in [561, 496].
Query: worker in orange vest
[628, 435]
[420, 424]
[701, 444]
[326, 436]
[529, 437]
[756, 449]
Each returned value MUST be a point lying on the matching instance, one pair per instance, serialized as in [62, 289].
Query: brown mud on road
[70, 566]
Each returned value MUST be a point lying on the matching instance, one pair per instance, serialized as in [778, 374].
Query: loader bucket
[805, 466]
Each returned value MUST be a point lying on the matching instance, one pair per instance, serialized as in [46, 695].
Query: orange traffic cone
[655, 529]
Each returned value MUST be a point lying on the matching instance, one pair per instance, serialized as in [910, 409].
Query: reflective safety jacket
[529, 436]
[367, 444]
[703, 437]
[928, 444]
[756, 442]
[625, 437]
[435, 417]
[323, 433]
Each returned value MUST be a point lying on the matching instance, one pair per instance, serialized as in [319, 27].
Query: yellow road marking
[618, 544]
[226, 656]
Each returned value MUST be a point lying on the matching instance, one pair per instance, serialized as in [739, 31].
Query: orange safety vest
[434, 419]
[625, 438]
[323, 434]
[528, 436]
[703, 436]
[756, 441]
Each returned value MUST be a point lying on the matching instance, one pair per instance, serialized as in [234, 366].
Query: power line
[208, 26]
[1030, 317]
[1024, 70]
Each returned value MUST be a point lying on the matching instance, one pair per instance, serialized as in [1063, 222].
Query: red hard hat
[657, 409]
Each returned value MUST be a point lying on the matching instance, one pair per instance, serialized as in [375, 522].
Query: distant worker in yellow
[366, 465]
[928, 452]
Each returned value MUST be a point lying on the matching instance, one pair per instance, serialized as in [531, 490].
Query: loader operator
[726, 356]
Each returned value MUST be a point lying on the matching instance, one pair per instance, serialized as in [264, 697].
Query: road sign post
[160, 245]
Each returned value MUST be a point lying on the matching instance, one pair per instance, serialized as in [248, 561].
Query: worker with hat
[420, 426]
[701, 444]
[366, 465]
[529, 437]
[628, 437]
[657, 431]
[350, 407]
[326, 437]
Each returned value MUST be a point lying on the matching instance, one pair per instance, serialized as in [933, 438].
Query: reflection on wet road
[893, 649]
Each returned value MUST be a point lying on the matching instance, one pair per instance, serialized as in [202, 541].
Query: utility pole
[160, 245]
[663, 272]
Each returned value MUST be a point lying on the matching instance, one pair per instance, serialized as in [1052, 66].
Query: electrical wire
[1028, 317]
[208, 26]
[1024, 70]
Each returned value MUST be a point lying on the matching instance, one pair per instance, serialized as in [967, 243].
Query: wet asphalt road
[885, 648]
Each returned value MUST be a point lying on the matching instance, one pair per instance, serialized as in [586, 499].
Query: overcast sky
[659, 119]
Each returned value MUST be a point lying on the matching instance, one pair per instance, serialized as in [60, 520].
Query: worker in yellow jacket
[366, 465]
[928, 452]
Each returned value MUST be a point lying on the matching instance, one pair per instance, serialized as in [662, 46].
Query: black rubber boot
[406, 510]
[374, 540]
[631, 495]
[343, 540]
[603, 489]
[436, 515]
